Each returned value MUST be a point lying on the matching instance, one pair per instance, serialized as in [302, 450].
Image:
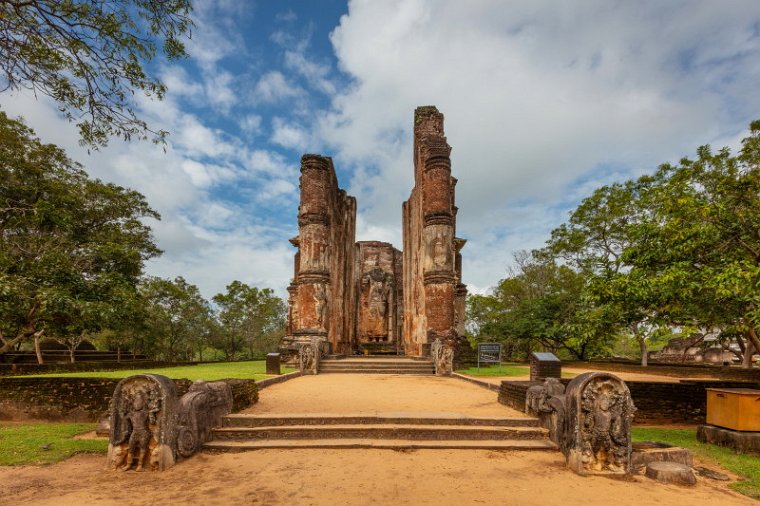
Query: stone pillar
[433, 166]
[313, 279]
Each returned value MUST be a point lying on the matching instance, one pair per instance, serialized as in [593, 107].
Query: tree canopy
[677, 249]
[90, 56]
[72, 248]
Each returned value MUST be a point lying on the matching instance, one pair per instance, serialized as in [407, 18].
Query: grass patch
[25, 443]
[255, 369]
[497, 370]
[507, 370]
[744, 465]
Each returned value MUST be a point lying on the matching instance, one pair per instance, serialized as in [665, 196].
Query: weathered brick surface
[656, 402]
[333, 296]
[83, 399]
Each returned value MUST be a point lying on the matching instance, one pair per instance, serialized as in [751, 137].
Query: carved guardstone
[143, 423]
[443, 358]
[200, 410]
[598, 412]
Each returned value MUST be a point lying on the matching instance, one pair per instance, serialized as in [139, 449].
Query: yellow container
[734, 408]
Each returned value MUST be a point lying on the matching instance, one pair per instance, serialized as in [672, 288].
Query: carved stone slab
[597, 424]
[143, 423]
[200, 410]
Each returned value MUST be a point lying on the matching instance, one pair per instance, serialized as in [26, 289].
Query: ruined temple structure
[367, 296]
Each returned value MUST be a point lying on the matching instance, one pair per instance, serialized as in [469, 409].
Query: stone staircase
[377, 365]
[383, 431]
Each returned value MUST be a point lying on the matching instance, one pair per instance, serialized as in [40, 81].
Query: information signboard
[489, 353]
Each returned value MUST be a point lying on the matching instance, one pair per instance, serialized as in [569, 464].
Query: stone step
[389, 444]
[382, 431]
[240, 420]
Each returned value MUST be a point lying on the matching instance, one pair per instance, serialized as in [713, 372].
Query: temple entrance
[368, 297]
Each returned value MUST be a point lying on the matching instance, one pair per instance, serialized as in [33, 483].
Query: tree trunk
[753, 339]
[749, 350]
[118, 353]
[37, 349]
[71, 353]
[644, 352]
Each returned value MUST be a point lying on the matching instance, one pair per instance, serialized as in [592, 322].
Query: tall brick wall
[433, 292]
[322, 294]
[656, 402]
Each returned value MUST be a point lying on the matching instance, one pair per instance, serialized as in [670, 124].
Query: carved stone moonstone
[597, 423]
[143, 423]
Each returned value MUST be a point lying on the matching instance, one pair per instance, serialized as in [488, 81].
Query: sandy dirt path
[350, 477]
[354, 477]
[380, 393]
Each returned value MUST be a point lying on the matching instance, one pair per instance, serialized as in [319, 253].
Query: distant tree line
[72, 253]
[677, 251]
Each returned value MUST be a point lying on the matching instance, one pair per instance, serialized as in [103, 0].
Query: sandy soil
[361, 477]
[337, 477]
[380, 393]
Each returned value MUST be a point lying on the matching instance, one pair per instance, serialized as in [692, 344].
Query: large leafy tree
[696, 257]
[251, 319]
[90, 56]
[71, 248]
[539, 304]
[178, 321]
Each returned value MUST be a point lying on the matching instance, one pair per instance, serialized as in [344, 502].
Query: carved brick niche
[379, 301]
[368, 295]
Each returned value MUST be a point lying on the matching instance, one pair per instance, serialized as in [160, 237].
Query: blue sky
[544, 101]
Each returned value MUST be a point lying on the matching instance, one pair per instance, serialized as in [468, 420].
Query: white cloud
[290, 135]
[273, 87]
[540, 99]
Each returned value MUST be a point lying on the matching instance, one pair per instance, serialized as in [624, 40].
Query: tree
[700, 246]
[249, 317]
[178, 319]
[539, 303]
[90, 57]
[594, 241]
[71, 248]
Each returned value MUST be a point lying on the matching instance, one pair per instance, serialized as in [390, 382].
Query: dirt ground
[625, 376]
[360, 477]
[380, 393]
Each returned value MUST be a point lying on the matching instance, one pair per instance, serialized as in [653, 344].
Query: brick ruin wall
[433, 292]
[368, 295]
[321, 293]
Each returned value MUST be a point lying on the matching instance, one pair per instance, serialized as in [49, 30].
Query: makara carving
[200, 410]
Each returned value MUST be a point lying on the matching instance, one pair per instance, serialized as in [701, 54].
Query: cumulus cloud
[274, 87]
[543, 102]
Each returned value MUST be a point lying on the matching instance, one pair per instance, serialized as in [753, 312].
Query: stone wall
[22, 369]
[656, 402]
[84, 399]
[433, 291]
[679, 371]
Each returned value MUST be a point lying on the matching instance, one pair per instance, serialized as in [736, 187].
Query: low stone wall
[84, 399]
[24, 369]
[674, 370]
[656, 402]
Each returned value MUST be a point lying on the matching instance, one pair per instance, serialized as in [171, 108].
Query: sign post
[489, 353]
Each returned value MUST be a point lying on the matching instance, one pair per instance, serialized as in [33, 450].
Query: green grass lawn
[504, 370]
[45, 443]
[255, 369]
[744, 465]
